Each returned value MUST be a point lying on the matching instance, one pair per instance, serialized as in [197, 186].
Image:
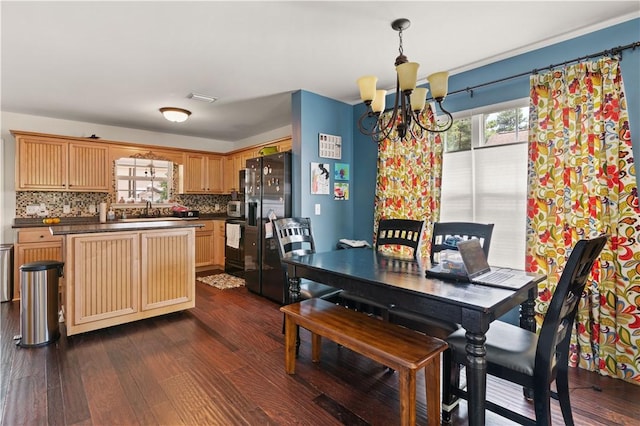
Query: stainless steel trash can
[6, 272]
[39, 302]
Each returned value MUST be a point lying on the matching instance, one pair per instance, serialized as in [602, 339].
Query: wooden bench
[399, 348]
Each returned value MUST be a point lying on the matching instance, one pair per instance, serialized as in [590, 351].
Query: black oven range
[234, 247]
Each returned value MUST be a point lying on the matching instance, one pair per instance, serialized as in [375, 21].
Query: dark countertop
[94, 220]
[122, 227]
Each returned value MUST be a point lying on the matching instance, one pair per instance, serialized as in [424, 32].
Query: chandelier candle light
[409, 102]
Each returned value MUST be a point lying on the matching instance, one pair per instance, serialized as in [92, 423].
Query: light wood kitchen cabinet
[202, 174]
[118, 277]
[218, 242]
[33, 245]
[205, 244]
[210, 241]
[285, 145]
[237, 161]
[167, 273]
[54, 164]
[103, 278]
[230, 175]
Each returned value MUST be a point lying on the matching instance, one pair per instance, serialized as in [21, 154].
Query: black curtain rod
[615, 51]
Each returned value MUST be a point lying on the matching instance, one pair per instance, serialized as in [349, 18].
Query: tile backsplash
[80, 203]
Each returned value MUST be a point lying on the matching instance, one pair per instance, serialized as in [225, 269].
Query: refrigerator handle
[252, 213]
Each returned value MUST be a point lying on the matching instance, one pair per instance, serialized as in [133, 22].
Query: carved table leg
[476, 376]
[294, 296]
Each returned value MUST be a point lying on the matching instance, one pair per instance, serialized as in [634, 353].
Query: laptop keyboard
[496, 277]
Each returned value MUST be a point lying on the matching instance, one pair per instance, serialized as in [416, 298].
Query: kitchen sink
[148, 219]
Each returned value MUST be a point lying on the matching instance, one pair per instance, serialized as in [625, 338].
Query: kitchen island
[119, 272]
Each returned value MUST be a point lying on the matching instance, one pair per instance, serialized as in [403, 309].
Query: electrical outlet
[66, 209]
[317, 209]
[33, 209]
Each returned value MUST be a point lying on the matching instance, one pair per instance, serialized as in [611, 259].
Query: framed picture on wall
[341, 171]
[340, 191]
[320, 178]
[329, 146]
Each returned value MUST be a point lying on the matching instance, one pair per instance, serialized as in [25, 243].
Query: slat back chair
[531, 360]
[446, 235]
[400, 232]
[295, 237]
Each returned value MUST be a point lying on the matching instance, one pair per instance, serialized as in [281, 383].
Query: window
[139, 180]
[484, 176]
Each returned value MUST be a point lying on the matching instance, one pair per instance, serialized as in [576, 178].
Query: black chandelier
[407, 117]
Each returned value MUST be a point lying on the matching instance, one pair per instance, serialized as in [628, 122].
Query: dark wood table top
[402, 282]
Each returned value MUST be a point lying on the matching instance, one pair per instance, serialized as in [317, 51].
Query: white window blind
[488, 184]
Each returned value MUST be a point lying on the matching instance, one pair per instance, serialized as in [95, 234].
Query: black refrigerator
[267, 197]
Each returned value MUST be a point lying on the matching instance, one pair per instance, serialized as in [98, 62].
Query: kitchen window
[484, 176]
[139, 180]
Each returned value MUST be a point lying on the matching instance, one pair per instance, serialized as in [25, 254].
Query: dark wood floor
[221, 363]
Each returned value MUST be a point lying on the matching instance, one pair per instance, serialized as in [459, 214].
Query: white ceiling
[116, 63]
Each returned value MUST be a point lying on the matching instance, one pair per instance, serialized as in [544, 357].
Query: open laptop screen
[475, 262]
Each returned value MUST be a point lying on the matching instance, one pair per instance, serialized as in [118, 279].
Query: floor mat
[222, 281]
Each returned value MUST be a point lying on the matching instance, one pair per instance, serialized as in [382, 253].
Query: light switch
[317, 209]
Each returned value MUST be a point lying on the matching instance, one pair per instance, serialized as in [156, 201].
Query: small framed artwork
[329, 146]
[320, 178]
[341, 171]
[340, 191]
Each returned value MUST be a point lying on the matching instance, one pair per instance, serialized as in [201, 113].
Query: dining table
[402, 283]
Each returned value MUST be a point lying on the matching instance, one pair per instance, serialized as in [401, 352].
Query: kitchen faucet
[147, 209]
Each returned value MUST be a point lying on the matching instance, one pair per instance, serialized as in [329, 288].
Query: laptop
[478, 270]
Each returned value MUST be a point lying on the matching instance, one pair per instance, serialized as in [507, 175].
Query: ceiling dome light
[177, 115]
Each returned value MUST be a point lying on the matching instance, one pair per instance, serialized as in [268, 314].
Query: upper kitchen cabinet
[202, 174]
[235, 162]
[56, 164]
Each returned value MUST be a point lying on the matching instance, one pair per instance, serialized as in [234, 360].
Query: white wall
[31, 123]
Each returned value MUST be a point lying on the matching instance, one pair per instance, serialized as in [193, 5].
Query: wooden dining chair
[446, 235]
[391, 232]
[528, 359]
[400, 232]
[295, 238]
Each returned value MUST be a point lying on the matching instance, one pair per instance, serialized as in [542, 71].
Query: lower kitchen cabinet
[204, 244]
[210, 240]
[119, 277]
[33, 245]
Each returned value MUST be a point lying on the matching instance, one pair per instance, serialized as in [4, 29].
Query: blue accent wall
[618, 35]
[313, 114]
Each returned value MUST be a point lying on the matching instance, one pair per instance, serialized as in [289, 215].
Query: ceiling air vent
[202, 98]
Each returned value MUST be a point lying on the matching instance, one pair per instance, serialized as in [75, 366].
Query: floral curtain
[409, 180]
[582, 184]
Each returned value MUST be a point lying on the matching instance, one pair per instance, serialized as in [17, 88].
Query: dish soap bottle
[111, 215]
